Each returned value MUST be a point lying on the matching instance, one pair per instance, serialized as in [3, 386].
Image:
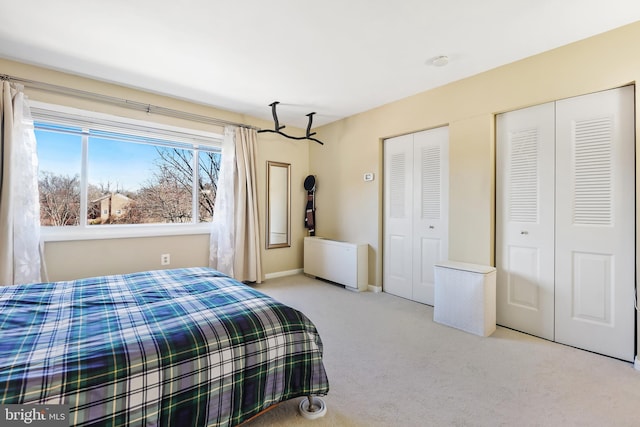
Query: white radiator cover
[465, 297]
[341, 262]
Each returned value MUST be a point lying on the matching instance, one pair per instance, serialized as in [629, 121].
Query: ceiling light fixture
[440, 61]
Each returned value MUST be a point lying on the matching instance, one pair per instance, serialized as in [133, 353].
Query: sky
[125, 166]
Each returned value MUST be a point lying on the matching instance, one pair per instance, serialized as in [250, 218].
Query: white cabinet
[465, 297]
[341, 262]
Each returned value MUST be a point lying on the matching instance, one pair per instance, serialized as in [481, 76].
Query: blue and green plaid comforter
[184, 347]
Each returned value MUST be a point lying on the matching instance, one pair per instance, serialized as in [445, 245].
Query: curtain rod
[134, 105]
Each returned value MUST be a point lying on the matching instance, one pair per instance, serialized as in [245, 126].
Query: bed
[181, 347]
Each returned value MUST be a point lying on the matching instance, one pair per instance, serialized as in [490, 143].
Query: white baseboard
[283, 273]
[636, 364]
[375, 289]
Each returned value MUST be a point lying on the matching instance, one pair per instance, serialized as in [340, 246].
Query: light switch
[368, 176]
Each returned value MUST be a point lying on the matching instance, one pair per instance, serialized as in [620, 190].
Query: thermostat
[368, 176]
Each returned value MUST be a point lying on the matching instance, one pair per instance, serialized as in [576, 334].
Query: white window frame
[44, 112]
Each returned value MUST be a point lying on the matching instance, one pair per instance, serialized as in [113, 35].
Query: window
[100, 172]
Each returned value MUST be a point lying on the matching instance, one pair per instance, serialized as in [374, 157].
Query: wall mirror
[278, 205]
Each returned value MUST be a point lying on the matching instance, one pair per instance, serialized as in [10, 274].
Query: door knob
[524, 232]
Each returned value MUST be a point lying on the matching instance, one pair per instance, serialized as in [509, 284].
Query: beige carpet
[389, 364]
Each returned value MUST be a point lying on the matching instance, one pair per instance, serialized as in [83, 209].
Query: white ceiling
[334, 57]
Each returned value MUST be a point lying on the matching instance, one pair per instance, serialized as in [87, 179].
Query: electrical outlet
[165, 259]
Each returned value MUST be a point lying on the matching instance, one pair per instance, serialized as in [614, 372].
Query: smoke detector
[440, 61]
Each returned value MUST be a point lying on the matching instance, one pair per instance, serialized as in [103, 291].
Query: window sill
[99, 232]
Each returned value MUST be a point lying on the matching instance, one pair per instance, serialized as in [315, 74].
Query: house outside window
[98, 171]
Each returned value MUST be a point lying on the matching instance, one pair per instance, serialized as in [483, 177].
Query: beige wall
[68, 260]
[350, 209]
[84, 258]
[279, 149]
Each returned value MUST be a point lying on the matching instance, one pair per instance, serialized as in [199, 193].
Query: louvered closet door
[565, 221]
[595, 231]
[525, 220]
[430, 213]
[415, 212]
[398, 219]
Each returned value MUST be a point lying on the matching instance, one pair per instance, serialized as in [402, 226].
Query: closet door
[398, 216]
[565, 221]
[430, 208]
[595, 231]
[525, 220]
[415, 212]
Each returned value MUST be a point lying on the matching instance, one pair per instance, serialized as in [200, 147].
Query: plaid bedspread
[183, 347]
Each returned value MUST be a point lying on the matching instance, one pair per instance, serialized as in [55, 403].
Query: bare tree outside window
[165, 199]
[59, 199]
[209, 172]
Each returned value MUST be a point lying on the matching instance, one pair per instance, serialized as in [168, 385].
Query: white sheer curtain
[235, 236]
[20, 251]
[222, 230]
